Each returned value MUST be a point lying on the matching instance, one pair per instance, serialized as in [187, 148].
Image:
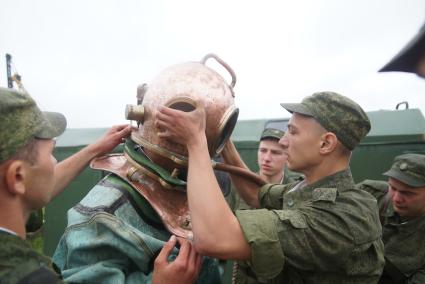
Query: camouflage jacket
[404, 240]
[113, 236]
[326, 232]
[236, 202]
[19, 263]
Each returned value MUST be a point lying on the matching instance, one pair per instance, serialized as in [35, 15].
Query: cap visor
[406, 60]
[298, 108]
[409, 180]
[53, 125]
[270, 136]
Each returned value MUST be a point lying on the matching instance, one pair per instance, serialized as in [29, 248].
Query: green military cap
[272, 133]
[407, 59]
[409, 169]
[337, 114]
[21, 120]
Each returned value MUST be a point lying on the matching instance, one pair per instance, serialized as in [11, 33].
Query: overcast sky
[85, 58]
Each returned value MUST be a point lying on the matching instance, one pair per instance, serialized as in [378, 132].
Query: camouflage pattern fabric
[404, 240]
[236, 202]
[272, 133]
[409, 169]
[326, 232]
[337, 114]
[19, 263]
[21, 120]
[378, 189]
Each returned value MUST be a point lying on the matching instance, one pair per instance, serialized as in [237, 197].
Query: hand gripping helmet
[178, 87]
[156, 167]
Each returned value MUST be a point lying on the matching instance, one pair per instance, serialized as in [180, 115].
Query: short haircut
[27, 153]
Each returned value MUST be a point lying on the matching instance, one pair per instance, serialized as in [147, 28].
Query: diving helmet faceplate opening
[226, 129]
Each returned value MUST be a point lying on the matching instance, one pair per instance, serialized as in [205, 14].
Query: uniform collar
[341, 180]
[394, 219]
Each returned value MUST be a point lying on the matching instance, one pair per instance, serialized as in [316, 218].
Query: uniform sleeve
[270, 196]
[260, 230]
[307, 238]
[377, 188]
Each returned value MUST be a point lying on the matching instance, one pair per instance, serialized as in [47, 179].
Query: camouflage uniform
[325, 232]
[235, 201]
[22, 121]
[288, 176]
[403, 239]
[20, 263]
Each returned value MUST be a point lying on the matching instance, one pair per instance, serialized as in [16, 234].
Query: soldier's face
[271, 159]
[407, 201]
[40, 179]
[302, 143]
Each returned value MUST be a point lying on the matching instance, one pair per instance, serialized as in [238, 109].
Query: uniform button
[290, 203]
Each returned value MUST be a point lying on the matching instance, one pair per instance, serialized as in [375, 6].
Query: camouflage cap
[409, 169]
[272, 133]
[21, 120]
[407, 59]
[337, 114]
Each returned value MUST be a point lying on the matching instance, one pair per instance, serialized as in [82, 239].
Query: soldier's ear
[15, 176]
[329, 142]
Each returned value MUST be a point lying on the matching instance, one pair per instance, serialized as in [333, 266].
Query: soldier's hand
[184, 269]
[182, 127]
[112, 138]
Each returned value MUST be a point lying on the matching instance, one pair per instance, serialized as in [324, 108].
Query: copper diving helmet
[155, 167]
[178, 87]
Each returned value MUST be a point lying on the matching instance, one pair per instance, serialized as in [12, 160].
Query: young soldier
[30, 178]
[271, 163]
[320, 230]
[402, 209]
[271, 159]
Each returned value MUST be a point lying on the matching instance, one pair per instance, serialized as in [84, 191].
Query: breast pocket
[293, 217]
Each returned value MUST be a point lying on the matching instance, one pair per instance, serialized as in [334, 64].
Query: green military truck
[393, 132]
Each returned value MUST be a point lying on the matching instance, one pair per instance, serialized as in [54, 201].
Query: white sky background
[85, 58]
